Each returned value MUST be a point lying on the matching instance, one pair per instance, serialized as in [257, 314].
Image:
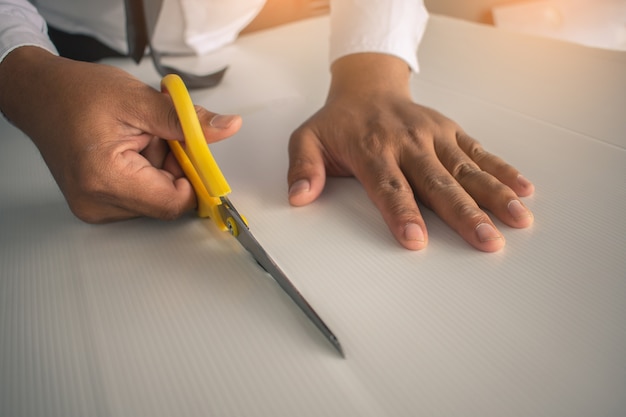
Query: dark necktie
[136, 28]
[140, 24]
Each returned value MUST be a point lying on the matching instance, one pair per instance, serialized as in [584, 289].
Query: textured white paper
[150, 318]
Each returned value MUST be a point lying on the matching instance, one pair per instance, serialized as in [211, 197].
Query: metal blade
[247, 240]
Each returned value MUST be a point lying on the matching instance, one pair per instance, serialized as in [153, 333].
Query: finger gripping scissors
[211, 189]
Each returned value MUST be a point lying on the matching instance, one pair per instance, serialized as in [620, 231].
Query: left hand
[403, 152]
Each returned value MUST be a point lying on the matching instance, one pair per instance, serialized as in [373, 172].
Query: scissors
[212, 189]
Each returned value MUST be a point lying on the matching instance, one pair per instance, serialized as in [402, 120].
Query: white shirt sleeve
[211, 24]
[21, 25]
[184, 26]
[387, 26]
[392, 27]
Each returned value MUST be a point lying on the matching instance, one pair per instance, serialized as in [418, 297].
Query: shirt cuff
[381, 26]
[17, 30]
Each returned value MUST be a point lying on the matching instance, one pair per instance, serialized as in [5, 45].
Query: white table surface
[152, 318]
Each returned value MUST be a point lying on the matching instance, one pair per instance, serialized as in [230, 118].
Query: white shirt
[200, 26]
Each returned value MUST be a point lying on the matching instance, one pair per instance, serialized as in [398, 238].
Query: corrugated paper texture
[150, 318]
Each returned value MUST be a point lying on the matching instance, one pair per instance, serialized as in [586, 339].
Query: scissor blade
[249, 242]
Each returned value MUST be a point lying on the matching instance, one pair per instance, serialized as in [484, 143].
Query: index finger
[149, 191]
[392, 194]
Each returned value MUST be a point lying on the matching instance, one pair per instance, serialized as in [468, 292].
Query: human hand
[98, 130]
[402, 152]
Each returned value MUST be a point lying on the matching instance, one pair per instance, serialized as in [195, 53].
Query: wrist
[366, 74]
[20, 72]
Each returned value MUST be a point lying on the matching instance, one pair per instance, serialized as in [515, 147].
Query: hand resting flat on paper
[403, 153]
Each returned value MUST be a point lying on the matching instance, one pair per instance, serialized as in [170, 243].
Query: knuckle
[173, 121]
[393, 186]
[434, 186]
[466, 210]
[396, 197]
[503, 169]
[436, 183]
[475, 150]
[137, 106]
[400, 208]
[464, 171]
[301, 163]
[296, 135]
[447, 127]
[307, 129]
[204, 116]
[421, 135]
[402, 212]
[375, 142]
[470, 146]
[501, 191]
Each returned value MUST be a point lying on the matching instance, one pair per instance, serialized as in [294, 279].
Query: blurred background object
[474, 10]
[595, 23]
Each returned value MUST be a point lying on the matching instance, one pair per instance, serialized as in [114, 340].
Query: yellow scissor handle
[195, 158]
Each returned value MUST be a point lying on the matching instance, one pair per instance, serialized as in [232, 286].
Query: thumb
[163, 121]
[218, 126]
[307, 174]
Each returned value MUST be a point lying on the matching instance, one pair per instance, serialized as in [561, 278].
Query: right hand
[99, 130]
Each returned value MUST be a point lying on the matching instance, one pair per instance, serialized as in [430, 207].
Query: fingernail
[517, 210]
[300, 186]
[521, 180]
[413, 232]
[222, 121]
[487, 232]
